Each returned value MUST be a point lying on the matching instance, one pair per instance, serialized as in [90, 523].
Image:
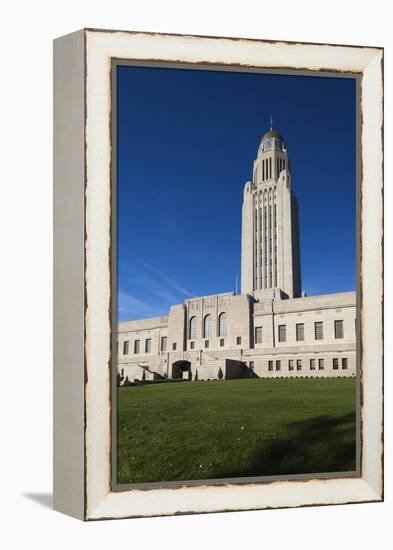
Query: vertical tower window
[207, 326]
[223, 324]
[339, 329]
[192, 334]
[270, 167]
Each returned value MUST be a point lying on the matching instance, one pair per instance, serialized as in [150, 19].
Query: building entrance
[182, 370]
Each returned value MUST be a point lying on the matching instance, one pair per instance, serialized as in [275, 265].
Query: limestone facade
[271, 329]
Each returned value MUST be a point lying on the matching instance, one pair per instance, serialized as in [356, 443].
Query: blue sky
[186, 141]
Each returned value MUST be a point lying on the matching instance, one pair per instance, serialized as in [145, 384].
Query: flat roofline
[229, 293]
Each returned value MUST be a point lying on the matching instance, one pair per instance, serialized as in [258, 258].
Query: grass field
[234, 428]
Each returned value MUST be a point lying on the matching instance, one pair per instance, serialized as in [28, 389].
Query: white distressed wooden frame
[82, 173]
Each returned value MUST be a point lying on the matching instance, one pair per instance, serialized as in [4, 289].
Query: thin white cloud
[128, 304]
[171, 282]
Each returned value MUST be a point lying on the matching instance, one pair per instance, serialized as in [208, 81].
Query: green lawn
[234, 428]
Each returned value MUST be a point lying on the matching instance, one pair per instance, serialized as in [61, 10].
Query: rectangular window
[300, 332]
[163, 343]
[298, 364]
[318, 330]
[174, 346]
[222, 341]
[282, 333]
[335, 363]
[312, 364]
[290, 364]
[251, 365]
[270, 365]
[206, 343]
[258, 335]
[192, 345]
[344, 363]
[125, 347]
[238, 340]
[278, 365]
[137, 346]
[321, 364]
[339, 329]
[148, 345]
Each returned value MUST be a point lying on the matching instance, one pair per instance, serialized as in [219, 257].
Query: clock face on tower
[267, 145]
[278, 145]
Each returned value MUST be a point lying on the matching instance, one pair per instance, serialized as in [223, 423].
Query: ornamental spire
[271, 122]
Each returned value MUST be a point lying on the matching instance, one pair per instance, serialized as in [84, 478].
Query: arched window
[193, 329]
[222, 325]
[207, 326]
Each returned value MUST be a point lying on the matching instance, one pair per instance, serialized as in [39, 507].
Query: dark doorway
[181, 370]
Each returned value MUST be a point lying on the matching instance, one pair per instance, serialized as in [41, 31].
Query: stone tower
[270, 228]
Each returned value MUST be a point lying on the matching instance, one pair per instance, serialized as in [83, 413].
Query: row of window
[163, 345]
[262, 216]
[207, 328]
[222, 342]
[318, 331]
[137, 346]
[267, 167]
[314, 364]
[223, 329]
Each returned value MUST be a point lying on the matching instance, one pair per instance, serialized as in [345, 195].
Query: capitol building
[272, 329]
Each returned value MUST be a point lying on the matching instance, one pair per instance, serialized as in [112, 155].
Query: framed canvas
[218, 265]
